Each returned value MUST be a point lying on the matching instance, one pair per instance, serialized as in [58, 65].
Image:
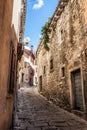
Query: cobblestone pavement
[34, 112]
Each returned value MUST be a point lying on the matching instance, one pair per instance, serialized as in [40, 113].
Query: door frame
[72, 90]
[40, 83]
[73, 74]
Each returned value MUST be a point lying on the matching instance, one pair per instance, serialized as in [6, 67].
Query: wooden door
[77, 90]
[40, 83]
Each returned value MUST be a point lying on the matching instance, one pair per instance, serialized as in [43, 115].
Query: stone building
[27, 67]
[62, 71]
[10, 33]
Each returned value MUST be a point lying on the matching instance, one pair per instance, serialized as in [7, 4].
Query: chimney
[32, 47]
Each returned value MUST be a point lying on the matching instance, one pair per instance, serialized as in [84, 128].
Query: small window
[51, 64]
[74, 17]
[61, 32]
[62, 35]
[44, 70]
[63, 71]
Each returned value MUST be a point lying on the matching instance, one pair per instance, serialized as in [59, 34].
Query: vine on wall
[45, 36]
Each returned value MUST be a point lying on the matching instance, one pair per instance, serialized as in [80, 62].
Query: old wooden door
[40, 83]
[77, 90]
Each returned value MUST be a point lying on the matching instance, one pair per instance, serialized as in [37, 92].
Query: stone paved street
[34, 112]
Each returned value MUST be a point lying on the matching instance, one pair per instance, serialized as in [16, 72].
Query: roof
[29, 53]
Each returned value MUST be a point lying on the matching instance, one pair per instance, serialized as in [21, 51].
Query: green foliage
[45, 36]
[19, 51]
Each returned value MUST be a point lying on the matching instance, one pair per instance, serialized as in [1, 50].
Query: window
[44, 70]
[60, 35]
[51, 64]
[61, 32]
[63, 71]
[74, 17]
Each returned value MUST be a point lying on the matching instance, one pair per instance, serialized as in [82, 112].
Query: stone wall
[67, 47]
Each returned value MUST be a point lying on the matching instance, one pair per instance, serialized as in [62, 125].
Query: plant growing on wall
[19, 51]
[45, 36]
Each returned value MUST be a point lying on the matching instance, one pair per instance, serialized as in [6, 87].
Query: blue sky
[38, 12]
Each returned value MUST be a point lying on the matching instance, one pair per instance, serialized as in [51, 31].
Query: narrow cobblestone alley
[34, 112]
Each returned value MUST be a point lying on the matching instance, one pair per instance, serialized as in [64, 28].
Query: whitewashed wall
[17, 6]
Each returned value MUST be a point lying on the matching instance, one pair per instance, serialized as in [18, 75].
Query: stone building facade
[62, 71]
[8, 61]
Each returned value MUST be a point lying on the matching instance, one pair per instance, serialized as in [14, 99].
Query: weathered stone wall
[7, 35]
[67, 44]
